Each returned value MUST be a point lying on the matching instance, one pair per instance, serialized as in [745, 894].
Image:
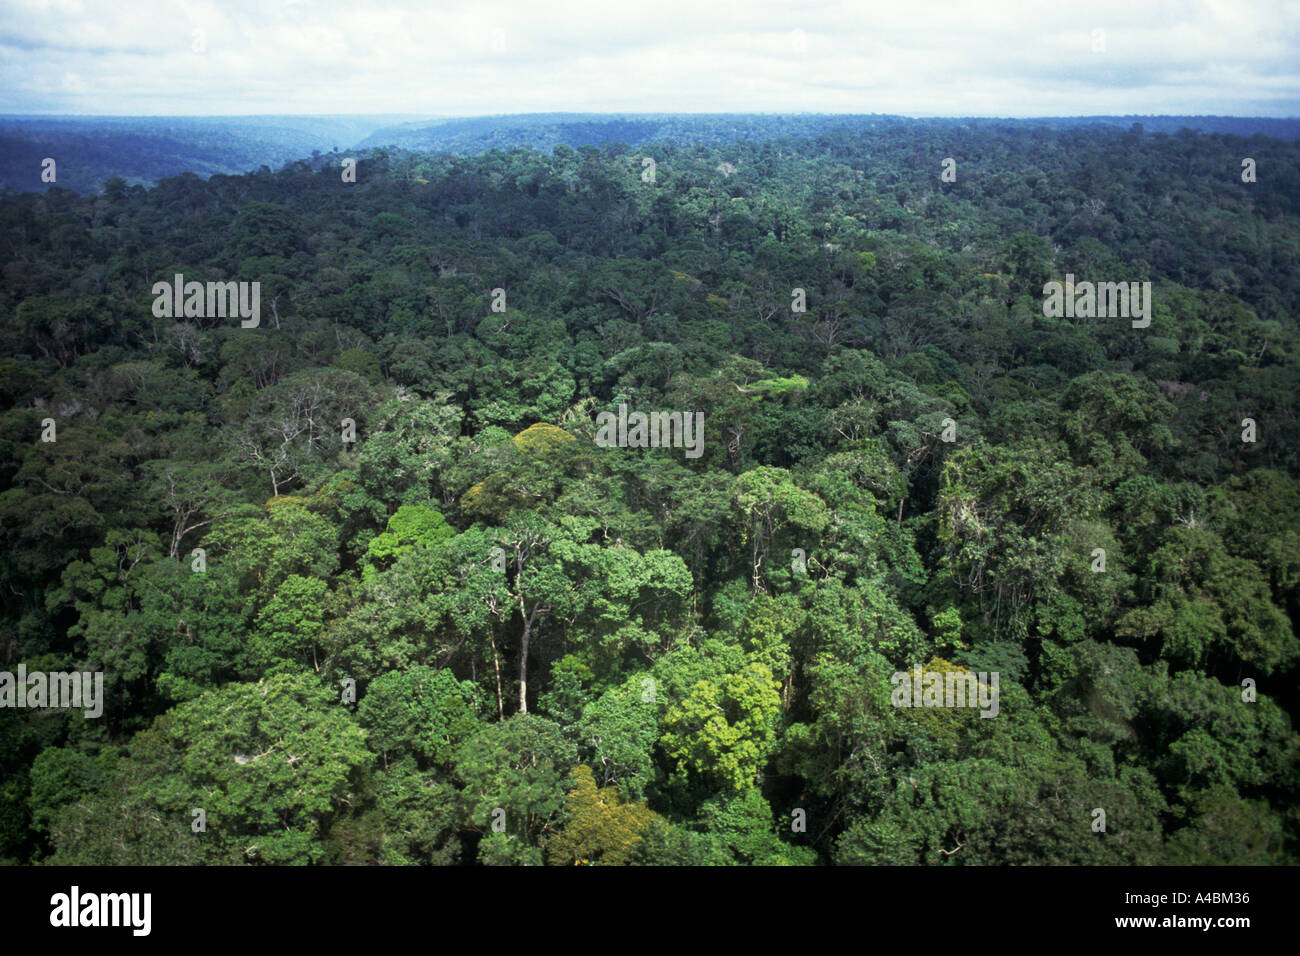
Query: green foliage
[60, 775]
[411, 526]
[565, 653]
[518, 766]
[290, 624]
[725, 727]
[420, 711]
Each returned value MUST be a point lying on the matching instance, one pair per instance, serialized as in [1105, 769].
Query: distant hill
[545, 131]
[91, 149]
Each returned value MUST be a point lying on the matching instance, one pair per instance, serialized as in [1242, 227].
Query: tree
[271, 764]
[725, 728]
[517, 766]
[600, 829]
[291, 623]
[423, 712]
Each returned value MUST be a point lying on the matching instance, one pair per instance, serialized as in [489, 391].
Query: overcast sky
[448, 57]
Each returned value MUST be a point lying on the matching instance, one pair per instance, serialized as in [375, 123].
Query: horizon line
[656, 113]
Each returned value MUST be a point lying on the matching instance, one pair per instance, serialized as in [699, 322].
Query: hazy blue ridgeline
[89, 150]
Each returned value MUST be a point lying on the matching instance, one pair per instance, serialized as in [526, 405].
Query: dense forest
[89, 151]
[365, 588]
[476, 134]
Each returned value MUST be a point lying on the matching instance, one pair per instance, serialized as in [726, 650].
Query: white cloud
[922, 57]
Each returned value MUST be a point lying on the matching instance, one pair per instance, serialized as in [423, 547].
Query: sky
[481, 57]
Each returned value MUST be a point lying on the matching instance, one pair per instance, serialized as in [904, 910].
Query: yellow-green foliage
[542, 438]
[778, 386]
[725, 728]
[602, 830]
[943, 724]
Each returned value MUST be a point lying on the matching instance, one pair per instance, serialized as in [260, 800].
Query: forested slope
[339, 675]
[90, 150]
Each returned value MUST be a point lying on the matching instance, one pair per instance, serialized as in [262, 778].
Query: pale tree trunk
[523, 655]
[496, 666]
